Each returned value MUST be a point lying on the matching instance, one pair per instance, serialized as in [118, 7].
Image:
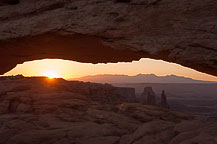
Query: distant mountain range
[140, 78]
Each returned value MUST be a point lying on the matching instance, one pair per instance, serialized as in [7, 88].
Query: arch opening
[185, 88]
[99, 31]
[73, 70]
[91, 49]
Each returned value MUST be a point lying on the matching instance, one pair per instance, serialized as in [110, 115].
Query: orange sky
[69, 69]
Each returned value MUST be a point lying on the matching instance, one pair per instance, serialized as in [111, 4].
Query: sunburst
[51, 74]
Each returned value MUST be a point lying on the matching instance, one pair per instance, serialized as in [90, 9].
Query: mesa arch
[101, 31]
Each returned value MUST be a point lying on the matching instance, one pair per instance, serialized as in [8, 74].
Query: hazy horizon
[139, 78]
[69, 69]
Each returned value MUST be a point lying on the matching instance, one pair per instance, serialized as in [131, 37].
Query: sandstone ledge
[43, 114]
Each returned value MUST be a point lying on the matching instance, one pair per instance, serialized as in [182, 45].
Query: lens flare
[51, 74]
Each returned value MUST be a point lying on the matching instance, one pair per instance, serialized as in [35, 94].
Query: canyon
[100, 31]
[39, 110]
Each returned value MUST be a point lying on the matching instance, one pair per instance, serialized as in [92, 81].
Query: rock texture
[184, 32]
[148, 96]
[163, 101]
[101, 93]
[35, 111]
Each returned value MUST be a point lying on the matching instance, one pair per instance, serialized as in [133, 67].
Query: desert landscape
[199, 99]
[183, 94]
[108, 72]
[39, 110]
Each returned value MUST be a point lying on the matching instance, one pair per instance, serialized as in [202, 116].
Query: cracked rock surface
[35, 112]
[101, 31]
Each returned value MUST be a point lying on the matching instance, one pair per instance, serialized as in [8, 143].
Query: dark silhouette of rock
[148, 96]
[151, 99]
[180, 31]
[10, 2]
[122, 0]
[103, 93]
[11, 77]
[163, 102]
[13, 2]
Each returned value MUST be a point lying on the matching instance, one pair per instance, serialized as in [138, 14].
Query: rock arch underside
[101, 31]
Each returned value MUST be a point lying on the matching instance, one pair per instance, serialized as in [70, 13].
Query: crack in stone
[35, 12]
[204, 47]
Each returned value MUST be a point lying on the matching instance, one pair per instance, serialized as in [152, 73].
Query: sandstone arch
[95, 31]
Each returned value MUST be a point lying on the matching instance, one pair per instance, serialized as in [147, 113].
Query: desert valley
[108, 72]
[40, 110]
[183, 94]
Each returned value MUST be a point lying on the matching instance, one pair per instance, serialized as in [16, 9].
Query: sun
[51, 74]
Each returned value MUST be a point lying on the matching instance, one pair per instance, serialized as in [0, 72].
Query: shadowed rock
[13, 2]
[178, 31]
[122, 0]
[163, 102]
[10, 2]
[50, 113]
[148, 96]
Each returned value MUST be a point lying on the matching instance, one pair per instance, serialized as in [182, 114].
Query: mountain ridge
[139, 78]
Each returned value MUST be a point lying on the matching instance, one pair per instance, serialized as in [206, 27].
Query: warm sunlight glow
[51, 74]
[69, 69]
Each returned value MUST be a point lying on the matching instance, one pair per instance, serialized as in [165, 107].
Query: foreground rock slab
[32, 113]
